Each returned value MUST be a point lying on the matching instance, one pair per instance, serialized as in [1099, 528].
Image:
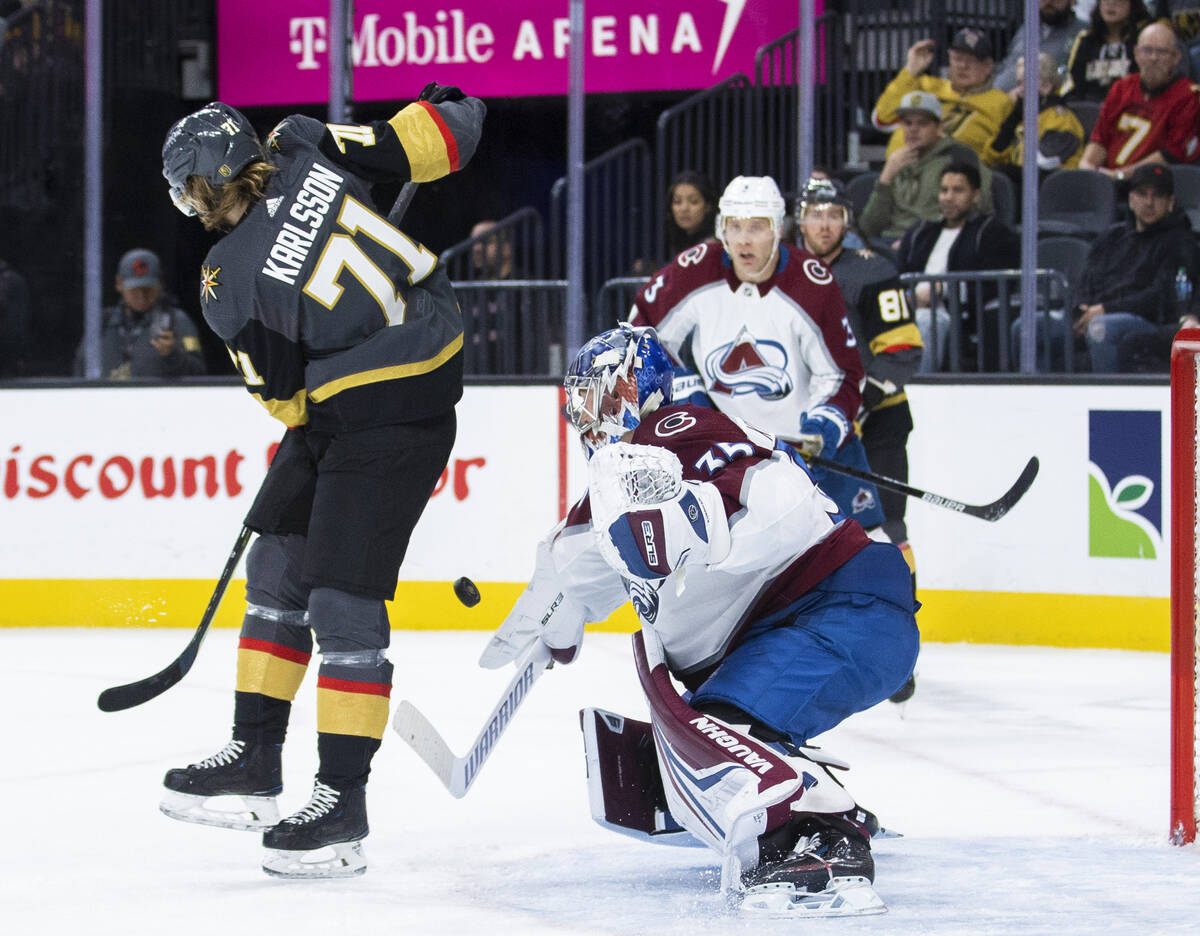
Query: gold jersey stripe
[423, 142]
[394, 372]
[293, 412]
[361, 714]
[267, 674]
[901, 335]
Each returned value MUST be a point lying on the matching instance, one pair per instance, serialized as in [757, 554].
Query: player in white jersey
[764, 327]
[776, 612]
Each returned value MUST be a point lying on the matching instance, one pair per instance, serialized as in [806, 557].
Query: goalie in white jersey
[777, 613]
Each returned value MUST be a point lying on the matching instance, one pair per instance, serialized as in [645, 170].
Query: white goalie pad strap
[544, 611]
[723, 785]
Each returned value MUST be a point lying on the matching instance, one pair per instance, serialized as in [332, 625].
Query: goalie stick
[458, 773]
[990, 512]
[119, 698]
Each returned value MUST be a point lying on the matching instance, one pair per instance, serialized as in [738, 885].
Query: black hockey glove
[435, 93]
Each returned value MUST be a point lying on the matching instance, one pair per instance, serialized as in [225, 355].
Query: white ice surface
[1030, 786]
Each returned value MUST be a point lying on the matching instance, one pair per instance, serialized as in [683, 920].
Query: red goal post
[1185, 587]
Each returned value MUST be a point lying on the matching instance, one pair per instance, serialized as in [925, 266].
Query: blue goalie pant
[845, 646]
[855, 498]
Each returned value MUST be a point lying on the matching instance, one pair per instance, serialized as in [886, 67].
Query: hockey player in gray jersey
[348, 332]
[777, 613]
[887, 339]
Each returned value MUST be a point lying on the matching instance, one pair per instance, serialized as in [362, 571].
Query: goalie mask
[215, 143]
[616, 378]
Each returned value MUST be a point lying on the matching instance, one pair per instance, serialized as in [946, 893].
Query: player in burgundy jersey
[764, 327]
[777, 613]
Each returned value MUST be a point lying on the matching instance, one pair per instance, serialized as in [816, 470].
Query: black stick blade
[119, 698]
[997, 509]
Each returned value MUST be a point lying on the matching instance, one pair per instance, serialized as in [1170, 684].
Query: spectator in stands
[1060, 134]
[1103, 53]
[145, 334]
[1058, 28]
[906, 191]
[692, 211]
[1150, 117]
[971, 109]
[963, 239]
[492, 315]
[16, 322]
[1128, 285]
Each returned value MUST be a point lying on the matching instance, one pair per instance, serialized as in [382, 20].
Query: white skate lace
[324, 798]
[227, 755]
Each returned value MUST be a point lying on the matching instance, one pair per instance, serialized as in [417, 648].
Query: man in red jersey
[1151, 116]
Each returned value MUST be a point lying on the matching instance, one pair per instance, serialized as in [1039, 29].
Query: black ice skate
[322, 840]
[244, 777]
[828, 873]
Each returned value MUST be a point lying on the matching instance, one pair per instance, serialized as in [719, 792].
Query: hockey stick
[991, 512]
[458, 773]
[119, 698]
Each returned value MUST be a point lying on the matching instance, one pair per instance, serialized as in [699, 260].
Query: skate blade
[246, 813]
[331, 861]
[843, 897]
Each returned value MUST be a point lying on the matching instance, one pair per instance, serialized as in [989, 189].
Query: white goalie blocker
[649, 522]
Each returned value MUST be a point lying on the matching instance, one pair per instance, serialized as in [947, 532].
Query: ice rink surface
[1030, 786]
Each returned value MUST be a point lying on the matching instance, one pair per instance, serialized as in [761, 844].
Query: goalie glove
[543, 612]
[819, 433]
[649, 522]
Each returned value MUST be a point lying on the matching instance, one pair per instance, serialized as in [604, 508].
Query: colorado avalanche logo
[644, 596]
[816, 271]
[749, 366]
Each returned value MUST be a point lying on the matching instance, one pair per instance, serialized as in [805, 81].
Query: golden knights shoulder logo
[208, 283]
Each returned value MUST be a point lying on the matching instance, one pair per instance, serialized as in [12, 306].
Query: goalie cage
[1185, 585]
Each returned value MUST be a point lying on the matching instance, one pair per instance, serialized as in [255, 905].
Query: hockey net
[1185, 585]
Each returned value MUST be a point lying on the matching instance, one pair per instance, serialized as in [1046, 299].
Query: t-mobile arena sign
[277, 51]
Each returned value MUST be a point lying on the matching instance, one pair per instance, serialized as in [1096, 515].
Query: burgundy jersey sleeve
[669, 287]
[810, 284]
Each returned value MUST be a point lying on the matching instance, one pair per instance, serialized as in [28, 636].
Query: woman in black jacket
[1103, 52]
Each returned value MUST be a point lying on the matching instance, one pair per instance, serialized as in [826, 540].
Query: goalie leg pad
[723, 785]
[625, 787]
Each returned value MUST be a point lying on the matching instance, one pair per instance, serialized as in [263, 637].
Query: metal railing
[776, 75]
[982, 307]
[514, 248]
[711, 132]
[614, 300]
[618, 211]
[513, 327]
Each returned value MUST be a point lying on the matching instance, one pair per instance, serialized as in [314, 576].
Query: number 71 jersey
[334, 317]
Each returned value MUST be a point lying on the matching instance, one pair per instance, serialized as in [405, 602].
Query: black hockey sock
[260, 719]
[345, 760]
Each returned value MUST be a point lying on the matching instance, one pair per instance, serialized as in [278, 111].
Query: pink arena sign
[276, 51]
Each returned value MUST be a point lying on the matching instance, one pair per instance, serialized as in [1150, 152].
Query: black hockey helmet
[824, 192]
[215, 143]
